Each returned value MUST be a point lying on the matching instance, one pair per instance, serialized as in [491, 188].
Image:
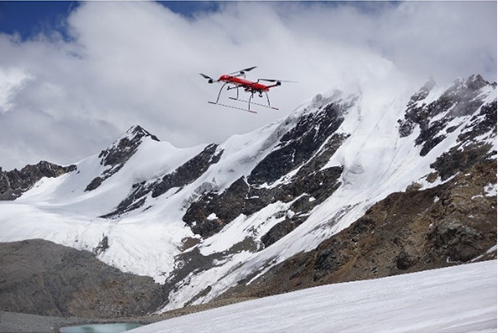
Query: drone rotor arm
[243, 71]
[277, 81]
[210, 80]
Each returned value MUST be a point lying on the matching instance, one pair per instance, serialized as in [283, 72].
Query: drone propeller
[210, 80]
[243, 71]
[278, 82]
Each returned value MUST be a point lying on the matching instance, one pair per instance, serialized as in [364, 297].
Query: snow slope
[143, 242]
[375, 161]
[60, 210]
[457, 299]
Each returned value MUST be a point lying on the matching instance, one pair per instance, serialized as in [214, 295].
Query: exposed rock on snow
[406, 232]
[14, 183]
[189, 171]
[445, 115]
[350, 185]
[119, 153]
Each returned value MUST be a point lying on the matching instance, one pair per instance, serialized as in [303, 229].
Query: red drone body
[235, 82]
[246, 84]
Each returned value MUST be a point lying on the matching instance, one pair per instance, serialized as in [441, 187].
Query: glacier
[149, 238]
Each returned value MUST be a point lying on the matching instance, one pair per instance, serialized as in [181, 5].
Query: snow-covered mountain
[209, 220]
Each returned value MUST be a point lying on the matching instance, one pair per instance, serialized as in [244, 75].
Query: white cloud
[12, 80]
[138, 63]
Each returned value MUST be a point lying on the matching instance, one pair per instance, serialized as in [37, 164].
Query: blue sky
[85, 72]
[29, 18]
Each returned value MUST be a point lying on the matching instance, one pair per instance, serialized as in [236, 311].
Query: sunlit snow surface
[457, 299]
[375, 161]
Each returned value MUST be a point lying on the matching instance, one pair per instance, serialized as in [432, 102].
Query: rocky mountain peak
[122, 149]
[334, 192]
[422, 93]
[120, 152]
[446, 114]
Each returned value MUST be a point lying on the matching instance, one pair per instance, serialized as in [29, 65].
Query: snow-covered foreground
[455, 299]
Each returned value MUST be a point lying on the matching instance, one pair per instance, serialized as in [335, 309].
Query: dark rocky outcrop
[411, 231]
[470, 151]
[307, 147]
[460, 100]
[180, 177]
[299, 144]
[447, 217]
[41, 277]
[189, 171]
[119, 153]
[194, 260]
[419, 229]
[14, 183]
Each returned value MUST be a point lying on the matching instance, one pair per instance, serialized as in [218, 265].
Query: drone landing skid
[232, 107]
[263, 105]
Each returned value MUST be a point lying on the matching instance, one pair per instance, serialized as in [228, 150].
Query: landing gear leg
[250, 100]
[218, 96]
[267, 96]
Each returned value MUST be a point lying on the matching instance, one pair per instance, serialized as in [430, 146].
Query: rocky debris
[407, 125]
[459, 158]
[102, 246]
[134, 200]
[41, 277]
[226, 207]
[119, 153]
[446, 225]
[14, 183]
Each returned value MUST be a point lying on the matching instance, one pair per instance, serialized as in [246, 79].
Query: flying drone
[237, 80]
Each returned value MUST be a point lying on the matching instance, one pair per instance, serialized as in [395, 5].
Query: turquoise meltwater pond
[99, 328]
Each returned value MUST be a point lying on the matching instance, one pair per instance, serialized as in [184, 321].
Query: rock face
[418, 229]
[16, 182]
[460, 100]
[119, 153]
[449, 224]
[189, 171]
[306, 147]
[182, 176]
[347, 187]
[41, 277]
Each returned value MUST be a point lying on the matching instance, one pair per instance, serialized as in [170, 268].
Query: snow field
[375, 159]
[456, 299]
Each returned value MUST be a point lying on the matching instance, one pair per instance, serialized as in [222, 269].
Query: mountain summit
[351, 185]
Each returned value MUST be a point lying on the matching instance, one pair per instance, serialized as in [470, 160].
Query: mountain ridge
[230, 218]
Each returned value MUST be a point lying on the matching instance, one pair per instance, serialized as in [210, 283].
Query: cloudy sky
[74, 76]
